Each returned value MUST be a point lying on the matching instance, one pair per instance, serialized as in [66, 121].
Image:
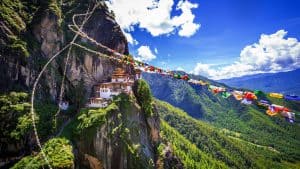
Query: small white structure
[97, 103]
[63, 105]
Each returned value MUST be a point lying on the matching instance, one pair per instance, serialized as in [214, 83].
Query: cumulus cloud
[273, 53]
[204, 70]
[145, 54]
[155, 16]
[186, 20]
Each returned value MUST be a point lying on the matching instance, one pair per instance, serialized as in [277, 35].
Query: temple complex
[121, 82]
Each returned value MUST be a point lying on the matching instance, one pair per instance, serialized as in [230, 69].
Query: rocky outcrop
[154, 125]
[93, 69]
[48, 37]
[170, 161]
[124, 141]
[94, 163]
[104, 29]
[48, 34]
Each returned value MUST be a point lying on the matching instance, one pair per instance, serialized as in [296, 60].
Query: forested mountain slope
[244, 123]
[229, 148]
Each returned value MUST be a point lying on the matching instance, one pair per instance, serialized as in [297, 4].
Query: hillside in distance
[248, 122]
[283, 82]
[201, 145]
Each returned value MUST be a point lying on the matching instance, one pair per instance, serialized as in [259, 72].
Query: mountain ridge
[282, 82]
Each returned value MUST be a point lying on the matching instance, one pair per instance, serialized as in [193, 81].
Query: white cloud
[145, 54]
[186, 19]
[130, 39]
[273, 53]
[204, 70]
[155, 16]
[179, 68]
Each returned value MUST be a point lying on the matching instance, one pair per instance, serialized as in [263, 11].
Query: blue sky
[216, 33]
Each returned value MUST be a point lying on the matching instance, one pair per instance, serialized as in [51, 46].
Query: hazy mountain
[283, 82]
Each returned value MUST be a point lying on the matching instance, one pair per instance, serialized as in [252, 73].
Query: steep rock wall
[125, 140]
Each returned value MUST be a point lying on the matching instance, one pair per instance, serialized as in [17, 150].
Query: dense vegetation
[14, 117]
[58, 152]
[250, 123]
[16, 130]
[189, 153]
[143, 95]
[233, 148]
[87, 121]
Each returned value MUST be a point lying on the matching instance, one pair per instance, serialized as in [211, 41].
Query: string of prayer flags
[275, 109]
[249, 96]
[225, 94]
[263, 104]
[246, 101]
[238, 95]
[177, 76]
[289, 116]
[276, 95]
[258, 93]
[292, 97]
[185, 77]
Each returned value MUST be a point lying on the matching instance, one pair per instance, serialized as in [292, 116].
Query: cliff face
[47, 33]
[31, 33]
[94, 69]
[125, 140]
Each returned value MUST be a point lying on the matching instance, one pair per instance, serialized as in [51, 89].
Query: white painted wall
[118, 79]
[97, 105]
[105, 93]
[128, 88]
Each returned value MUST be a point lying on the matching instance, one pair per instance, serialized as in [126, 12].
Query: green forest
[234, 149]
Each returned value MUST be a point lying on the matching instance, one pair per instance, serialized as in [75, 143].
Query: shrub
[58, 152]
[143, 94]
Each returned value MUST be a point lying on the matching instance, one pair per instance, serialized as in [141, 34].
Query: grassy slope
[233, 148]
